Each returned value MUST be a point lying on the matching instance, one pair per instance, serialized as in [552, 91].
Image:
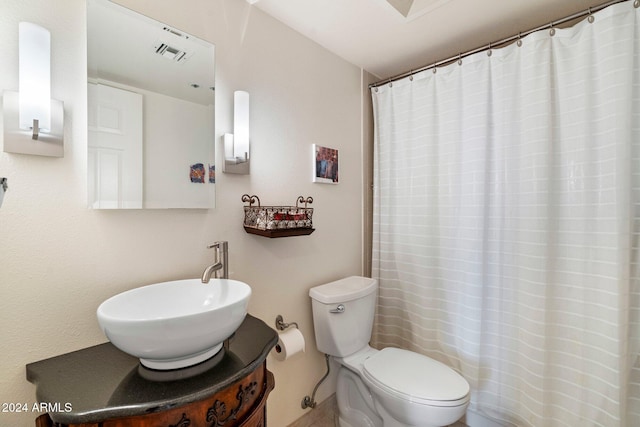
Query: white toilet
[380, 388]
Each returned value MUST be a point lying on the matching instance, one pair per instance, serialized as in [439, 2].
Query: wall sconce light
[33, 122]
[236, 145]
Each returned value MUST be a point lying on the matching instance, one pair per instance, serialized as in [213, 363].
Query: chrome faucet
[221, 262]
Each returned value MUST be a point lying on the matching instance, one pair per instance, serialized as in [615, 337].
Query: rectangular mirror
[151, 96]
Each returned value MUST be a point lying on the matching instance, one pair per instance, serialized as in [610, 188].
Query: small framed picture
[325, 165]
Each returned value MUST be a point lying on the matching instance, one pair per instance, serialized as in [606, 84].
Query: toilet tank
[343, 332]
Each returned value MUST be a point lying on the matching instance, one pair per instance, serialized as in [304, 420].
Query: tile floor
[326, 415]
[323, 415]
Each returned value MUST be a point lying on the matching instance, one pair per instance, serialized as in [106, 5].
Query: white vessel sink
[176, 324]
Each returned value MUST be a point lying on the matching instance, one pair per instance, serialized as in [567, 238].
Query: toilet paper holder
[281, 325]
[307, 401]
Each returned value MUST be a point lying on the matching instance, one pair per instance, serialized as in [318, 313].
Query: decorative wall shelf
[278, 221]
[280, 233]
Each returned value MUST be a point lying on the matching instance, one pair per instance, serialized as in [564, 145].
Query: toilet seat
[415, 378]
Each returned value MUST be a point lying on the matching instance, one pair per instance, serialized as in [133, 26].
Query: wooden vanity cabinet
[241, 404]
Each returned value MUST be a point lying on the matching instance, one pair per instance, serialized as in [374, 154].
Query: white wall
[59, 260]
[171, 146]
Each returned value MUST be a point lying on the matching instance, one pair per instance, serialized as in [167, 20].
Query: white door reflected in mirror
[115, 148]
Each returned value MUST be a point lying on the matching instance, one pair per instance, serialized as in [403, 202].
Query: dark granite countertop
[102, 382]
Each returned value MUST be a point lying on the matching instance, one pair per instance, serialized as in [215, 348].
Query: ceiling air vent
[170, 52]
[175, 32]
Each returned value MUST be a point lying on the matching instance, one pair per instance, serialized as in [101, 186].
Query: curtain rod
[502, 42]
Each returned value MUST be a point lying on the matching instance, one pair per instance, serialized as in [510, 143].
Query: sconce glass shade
[34, 55]
[236, 145]
[33, 101]
[241, 124]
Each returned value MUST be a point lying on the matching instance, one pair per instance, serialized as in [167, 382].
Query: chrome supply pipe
[310, 401]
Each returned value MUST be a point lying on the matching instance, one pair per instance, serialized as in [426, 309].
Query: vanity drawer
[258, 417]
[241, 404]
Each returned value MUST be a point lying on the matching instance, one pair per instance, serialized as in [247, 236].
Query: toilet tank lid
[343, 290]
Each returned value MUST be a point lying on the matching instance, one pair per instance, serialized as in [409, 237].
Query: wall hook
[3, 187]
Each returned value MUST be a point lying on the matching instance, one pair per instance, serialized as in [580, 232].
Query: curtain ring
[552, 31]
[636, 4]
[460, 59]
[519, 42]
[591, 18]
[489, 51]
[435, 68]
[390, 83]
[410, 75]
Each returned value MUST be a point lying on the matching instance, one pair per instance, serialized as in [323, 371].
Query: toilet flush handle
[338, 309]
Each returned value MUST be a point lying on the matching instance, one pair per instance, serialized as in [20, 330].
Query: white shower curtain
[506, 222]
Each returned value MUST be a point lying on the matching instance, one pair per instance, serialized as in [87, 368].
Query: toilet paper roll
[290, 343]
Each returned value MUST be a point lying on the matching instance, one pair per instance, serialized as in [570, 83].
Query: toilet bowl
[380, 388]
